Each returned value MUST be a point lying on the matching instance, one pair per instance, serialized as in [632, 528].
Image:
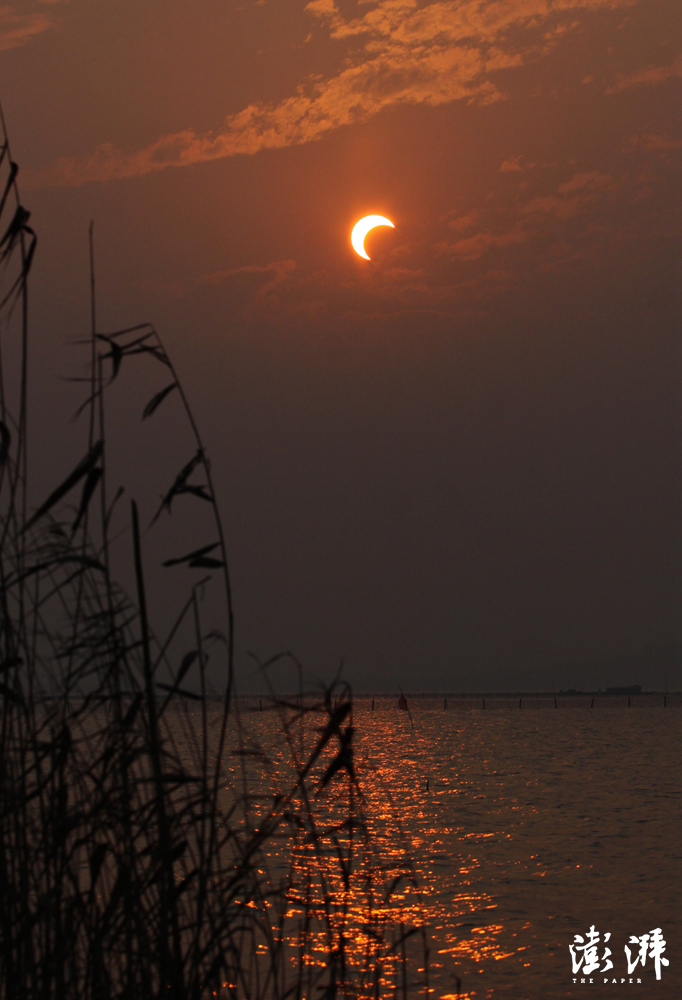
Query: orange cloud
[581, 189]
[651, 76]
[399, 53]
[355, 95]
[523, 229]
[656, 143]
[18, 28]
[513, 164]
[265, 278]
[588, 180]
[473, 247]
[516, 163]
[460, 223]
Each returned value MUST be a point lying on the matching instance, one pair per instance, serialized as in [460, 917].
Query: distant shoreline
[460, 696]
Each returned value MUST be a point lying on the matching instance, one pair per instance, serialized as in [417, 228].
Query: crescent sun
[361, 228]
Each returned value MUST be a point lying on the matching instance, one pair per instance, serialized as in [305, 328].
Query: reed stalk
[139, 859]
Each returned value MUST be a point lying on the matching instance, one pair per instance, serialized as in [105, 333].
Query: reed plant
[154, 843]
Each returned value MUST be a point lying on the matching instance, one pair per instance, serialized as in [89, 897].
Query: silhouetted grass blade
[156, 400]
[96, 862]
[89, 488]
[13, 661]
[180, 482]
[196, 554]
[197, 491]
[146, 853]
[176, 690]
[82, 469]
[205, 562]
[5, 441]
[16, 226]
[12, 695]
[9, 183]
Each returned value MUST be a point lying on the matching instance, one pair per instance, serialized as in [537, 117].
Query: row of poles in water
[402, 703]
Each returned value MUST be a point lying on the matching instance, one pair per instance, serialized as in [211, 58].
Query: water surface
[537, 825]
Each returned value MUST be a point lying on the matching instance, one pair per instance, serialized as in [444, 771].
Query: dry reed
[130, 867]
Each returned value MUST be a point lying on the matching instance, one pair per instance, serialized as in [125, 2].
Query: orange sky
[462, 453]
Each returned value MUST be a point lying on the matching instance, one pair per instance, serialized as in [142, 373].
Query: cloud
[651, 76]
[460, 223]
[264, 278]
[505, 227]
[19, 28]
[473, 247]
[572, 195]
[454, 264]
[587, 180]
[397, 53]
[653, 143]
[525, 236]
[355, 95]
[516, 163]
[513, 164]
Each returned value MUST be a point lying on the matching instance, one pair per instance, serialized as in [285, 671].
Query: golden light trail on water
[361, 228]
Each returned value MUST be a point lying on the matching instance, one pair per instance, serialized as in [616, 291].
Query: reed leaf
[196, 554]
[13, 661]
[85, 466]
[12, 695]
[89, 488]
[9, 183]
[5, 441]
[156, 400]
[179, 486]
[146, 852]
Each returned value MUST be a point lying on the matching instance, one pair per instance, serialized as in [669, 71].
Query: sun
[361, 228]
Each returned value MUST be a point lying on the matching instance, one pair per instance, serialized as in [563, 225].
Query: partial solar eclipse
[361, 228]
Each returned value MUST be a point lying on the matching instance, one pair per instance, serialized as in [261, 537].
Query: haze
[457, 465]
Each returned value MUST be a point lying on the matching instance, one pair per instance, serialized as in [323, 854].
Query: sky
[454, 465]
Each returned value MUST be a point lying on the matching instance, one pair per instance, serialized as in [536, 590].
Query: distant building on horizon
[633, 689]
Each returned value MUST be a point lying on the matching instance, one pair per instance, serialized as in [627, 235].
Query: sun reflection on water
[476, 857]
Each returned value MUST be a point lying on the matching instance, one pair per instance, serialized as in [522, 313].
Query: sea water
[537, 826]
